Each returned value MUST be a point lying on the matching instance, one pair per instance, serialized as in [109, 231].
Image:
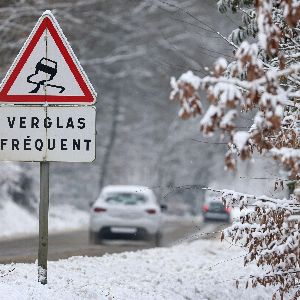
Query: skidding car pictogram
[49, 67]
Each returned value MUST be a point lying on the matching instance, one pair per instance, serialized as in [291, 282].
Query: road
[64, 245]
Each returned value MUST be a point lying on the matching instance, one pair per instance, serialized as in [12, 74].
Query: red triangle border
[87, 98]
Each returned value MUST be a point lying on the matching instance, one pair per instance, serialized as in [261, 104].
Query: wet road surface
[76, 243]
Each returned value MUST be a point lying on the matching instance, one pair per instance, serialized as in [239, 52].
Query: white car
[126, 212]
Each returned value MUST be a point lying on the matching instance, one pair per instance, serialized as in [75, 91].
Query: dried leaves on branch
[264, 79]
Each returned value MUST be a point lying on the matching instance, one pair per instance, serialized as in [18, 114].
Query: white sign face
[41, 67]
[47, 70]
[32, 133]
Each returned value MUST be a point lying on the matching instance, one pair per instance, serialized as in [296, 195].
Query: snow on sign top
[46, 70]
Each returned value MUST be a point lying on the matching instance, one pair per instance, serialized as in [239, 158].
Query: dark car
[215, 210]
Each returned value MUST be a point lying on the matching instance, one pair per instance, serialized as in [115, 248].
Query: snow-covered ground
[203, 269]
[17, 221]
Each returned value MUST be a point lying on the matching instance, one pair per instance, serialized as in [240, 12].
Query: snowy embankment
[202, 269]
[16, 221]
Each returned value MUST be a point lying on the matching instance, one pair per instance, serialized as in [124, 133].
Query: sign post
[43, 222]
[47, 112]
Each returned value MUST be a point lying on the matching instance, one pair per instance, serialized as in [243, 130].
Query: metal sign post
[43, 222]
[56, 121]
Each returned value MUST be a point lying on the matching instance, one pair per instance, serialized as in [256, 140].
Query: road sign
[46, 70]
[46, 73]
[53, 133]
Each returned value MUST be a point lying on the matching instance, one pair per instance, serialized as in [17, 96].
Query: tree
[15, 185]
[263, 79]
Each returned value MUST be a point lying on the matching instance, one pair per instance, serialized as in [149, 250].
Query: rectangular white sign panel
[29, 133]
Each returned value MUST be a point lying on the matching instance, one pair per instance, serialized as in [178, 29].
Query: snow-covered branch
[263, 79]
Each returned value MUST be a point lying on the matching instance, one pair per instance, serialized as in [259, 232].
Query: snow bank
[65, 217]
[17, 221]
[200, 270]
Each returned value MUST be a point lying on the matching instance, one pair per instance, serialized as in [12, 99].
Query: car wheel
[94, 238]
[155, 239]
[158, 239]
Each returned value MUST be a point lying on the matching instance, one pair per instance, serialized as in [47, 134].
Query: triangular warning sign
[46, 70]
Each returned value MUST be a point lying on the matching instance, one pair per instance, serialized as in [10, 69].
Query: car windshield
[125, 198]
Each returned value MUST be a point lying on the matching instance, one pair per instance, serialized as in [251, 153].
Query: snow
[226, 92]
[212, 111]
[203, 269]
[221, 63]
[227, 120]
[49, 13]
[286, 152]
[190, 78]
[252, 51]
[240, 139]
[61, 218]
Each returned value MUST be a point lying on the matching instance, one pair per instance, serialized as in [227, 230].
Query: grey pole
[43, 222]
